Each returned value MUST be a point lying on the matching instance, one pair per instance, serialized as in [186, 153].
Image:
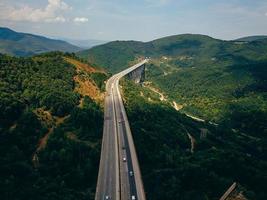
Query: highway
[119, 176]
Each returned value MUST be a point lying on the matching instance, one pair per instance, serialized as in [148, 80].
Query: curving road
[119, 176]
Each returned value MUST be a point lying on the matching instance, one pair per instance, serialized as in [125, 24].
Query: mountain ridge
[26, 44]
[252, 38]
[84, 43]
[202, 47]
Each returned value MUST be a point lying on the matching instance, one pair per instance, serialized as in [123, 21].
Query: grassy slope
[39, 98]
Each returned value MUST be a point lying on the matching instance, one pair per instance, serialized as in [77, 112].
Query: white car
[107, 197]
[133, 197]
[131, 173]
[124, 159]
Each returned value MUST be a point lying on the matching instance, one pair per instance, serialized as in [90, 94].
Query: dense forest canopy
[37, 100]
[171, 169]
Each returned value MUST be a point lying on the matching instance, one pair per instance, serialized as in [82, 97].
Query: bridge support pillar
[138, 75]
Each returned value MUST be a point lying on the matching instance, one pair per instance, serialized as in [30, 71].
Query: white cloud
[80, 19]
[57, 19]
[51, 13]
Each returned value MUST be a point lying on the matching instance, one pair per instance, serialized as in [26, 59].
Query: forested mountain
[24, 44]
[219, 83]
[107, 57]
[207, 77]
[200, 49]
[51, 119]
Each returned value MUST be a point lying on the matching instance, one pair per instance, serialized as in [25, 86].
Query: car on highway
[124, 159]
[107, 197]
[131, 173]
[133, 197]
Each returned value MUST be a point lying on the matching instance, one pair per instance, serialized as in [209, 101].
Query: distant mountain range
[85, 44]
[252, 38]
[24, 44]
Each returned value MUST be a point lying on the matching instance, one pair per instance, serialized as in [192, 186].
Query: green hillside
[181, 158]
[50, 134]
[215, 80]
[114, 56]
[208, 78]
[23, 44]
[186, 50]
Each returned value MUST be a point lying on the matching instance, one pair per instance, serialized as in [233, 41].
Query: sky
[142, 20]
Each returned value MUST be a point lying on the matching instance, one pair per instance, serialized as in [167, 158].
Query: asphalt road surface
[119, 176]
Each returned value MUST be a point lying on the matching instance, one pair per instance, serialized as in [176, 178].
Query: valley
[133, 100]
[198, 121]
